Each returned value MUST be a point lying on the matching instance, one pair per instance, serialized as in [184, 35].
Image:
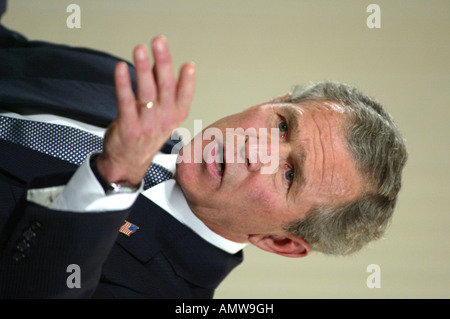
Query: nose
[263, 154]
[251, 155]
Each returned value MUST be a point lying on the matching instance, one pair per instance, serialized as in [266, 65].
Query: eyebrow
[290, 113]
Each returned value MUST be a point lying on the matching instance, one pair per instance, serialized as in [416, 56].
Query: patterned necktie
[67, 143]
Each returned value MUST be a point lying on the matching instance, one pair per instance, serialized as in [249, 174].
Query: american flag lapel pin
[128, 228]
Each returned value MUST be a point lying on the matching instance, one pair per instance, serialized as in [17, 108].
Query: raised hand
[144, 123]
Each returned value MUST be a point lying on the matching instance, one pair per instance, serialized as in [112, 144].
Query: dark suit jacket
[163, 259]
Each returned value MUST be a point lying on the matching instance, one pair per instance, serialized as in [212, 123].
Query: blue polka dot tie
[67, 143]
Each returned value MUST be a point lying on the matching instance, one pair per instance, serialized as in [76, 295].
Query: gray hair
[380, 154]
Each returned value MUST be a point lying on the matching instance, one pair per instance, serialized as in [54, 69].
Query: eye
[289, 175]
[282, 126]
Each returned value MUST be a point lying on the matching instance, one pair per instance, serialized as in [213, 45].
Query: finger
[186, 87]
[165, 79]
[126, 105]
[144, 75]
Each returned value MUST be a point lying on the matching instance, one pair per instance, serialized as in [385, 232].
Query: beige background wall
[251, 51]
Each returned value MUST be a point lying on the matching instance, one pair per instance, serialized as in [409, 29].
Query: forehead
[330, 107]
[328, 169]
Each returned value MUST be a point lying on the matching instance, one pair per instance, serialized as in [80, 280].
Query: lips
[219, 159]
[215, 162]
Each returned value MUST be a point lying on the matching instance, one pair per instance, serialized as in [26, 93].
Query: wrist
[111, 185]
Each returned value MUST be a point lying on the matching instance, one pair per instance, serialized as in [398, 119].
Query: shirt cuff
[83, 193]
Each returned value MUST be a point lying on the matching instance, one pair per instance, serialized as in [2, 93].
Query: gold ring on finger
[148, 105]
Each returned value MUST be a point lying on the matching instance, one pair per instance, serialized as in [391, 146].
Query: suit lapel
[190, 255]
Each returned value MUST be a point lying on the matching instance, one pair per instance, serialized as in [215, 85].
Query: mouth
[220, 158]
[215, 160]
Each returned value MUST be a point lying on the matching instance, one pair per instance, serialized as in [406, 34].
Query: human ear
[286, 245]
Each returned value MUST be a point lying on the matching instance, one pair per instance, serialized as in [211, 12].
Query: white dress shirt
[83, 193]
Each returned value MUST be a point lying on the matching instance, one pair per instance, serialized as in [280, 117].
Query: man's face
[313, 167]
